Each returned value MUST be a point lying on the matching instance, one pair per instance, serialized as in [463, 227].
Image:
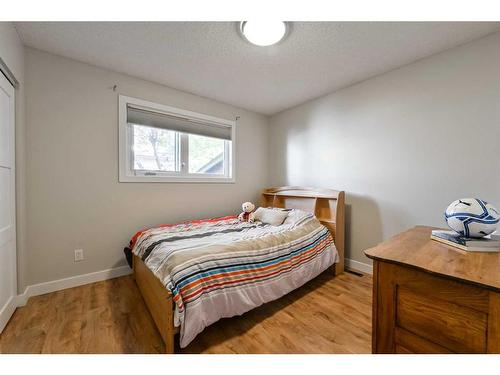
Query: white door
[8, 261]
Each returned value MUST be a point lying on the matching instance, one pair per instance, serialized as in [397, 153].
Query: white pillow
[270, 216]
[295, 216]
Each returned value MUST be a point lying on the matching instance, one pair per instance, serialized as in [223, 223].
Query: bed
[192, 274]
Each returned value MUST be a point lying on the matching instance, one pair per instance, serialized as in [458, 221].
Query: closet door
[8, 261]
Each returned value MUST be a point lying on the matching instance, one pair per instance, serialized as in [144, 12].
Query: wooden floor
[327, 315]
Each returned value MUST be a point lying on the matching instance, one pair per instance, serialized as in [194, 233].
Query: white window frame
[125, 155]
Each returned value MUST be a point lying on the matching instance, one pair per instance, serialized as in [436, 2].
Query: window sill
[198, 180]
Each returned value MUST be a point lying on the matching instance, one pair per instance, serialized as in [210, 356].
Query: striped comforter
[222, 267]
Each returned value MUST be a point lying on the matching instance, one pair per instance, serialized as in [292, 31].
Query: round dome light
[263, 33]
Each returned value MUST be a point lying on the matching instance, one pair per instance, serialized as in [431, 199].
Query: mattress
[222, 267]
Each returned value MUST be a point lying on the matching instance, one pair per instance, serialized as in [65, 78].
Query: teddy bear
[247, 214]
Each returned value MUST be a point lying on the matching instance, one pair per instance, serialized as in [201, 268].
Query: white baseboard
[359, 266]
[70, 282]
[7, 312]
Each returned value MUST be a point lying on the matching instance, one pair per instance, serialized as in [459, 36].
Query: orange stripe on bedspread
[277, 268]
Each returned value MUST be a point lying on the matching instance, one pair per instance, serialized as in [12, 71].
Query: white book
[468, 244]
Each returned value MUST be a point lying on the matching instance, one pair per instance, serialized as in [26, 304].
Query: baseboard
[359, 266]
[70, 282]
[7, 312]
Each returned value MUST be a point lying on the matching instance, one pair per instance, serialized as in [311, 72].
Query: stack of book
[485, 244]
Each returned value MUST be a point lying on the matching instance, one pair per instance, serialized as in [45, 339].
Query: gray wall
[402, 145]
[12, 53]
[74, 197]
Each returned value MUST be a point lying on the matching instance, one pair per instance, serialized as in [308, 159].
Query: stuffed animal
[247, 214]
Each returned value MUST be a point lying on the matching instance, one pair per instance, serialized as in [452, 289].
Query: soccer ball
[472, 217]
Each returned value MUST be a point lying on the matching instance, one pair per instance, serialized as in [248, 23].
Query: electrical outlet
[78, 255]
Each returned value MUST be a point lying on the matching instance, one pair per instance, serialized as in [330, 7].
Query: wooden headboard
[326, 204]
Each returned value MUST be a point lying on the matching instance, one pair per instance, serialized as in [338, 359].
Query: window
[165, 144]
[154, 150]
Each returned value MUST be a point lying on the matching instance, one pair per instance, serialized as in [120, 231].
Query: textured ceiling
[210, 58]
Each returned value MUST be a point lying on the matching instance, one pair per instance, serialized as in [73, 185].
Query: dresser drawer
[409, 343]
[418, 312]
[453, 326]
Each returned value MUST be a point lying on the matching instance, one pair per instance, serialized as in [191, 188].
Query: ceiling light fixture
[263, 33]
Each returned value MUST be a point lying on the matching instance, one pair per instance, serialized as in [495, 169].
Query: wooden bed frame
[328, 206]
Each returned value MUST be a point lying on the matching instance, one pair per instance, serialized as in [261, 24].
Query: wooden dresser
[433, 298]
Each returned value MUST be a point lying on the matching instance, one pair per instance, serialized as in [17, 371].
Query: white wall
[12, 53]
[402, 145]
[74, 197]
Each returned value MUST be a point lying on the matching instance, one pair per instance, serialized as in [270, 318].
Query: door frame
[7, 85]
